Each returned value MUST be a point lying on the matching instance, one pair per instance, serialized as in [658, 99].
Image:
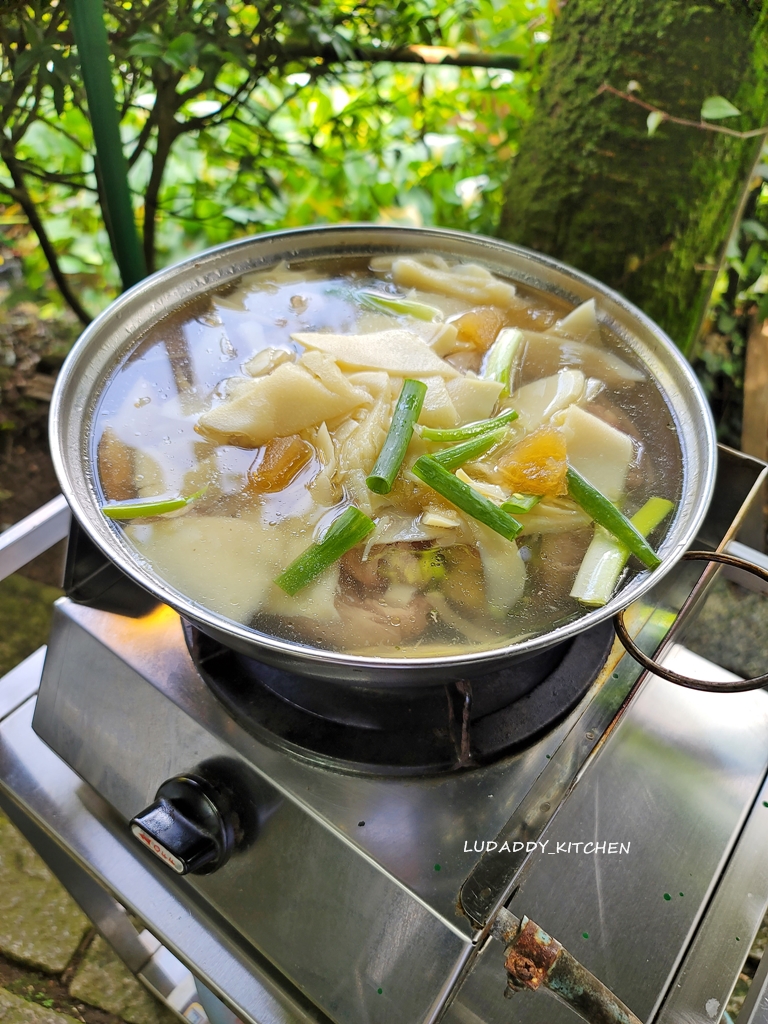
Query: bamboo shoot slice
[286, 401]
[398, 351]
[596, 450]
[536, 403]
[581, 324]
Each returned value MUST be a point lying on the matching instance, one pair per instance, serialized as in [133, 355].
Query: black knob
[189, 826]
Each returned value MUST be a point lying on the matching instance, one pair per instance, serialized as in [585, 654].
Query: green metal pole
[93, 49]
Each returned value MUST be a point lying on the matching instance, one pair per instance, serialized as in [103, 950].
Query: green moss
[14, 1010]
[590, 187]
[40, 924]
[104, 981]
[25, 614]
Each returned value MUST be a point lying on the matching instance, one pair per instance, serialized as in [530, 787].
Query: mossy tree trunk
[646, 215]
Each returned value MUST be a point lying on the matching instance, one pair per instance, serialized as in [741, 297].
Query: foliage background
[264, 133]
[740, 298]
[243, 117]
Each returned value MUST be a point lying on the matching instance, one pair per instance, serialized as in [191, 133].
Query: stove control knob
[189, 826]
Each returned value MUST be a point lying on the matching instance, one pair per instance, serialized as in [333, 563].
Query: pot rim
[131, 315]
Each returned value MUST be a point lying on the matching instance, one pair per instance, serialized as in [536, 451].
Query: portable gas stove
[351, 861]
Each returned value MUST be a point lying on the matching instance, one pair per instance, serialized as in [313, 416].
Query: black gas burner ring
[424, 730]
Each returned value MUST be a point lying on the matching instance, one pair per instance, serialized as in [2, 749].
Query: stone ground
[54, 968]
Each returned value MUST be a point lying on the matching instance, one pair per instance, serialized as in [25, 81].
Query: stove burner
[422, 730]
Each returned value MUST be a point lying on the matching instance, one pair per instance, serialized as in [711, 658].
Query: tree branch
[56, 179]
[439, 55]
[22, 123]
[167, 131]
[703, 125]
[67, 135]
[25, 201]
[141, 140]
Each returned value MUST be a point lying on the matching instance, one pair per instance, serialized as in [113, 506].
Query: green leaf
[715, 107]
[27, 60]
[176, 61]
[755, 229]
[185, 45]
[726, 323]
[181, 52]
[144, 36]
[145, 50]
[653, 121]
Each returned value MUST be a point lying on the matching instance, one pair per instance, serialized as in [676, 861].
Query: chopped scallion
[452, 458]
[402, 307]
[345, 531]
[469, 431]
[606, 556]
[519, 503]
[398, 437]
[143, 508]
[501, 355]
[604, 512]
[464, 497]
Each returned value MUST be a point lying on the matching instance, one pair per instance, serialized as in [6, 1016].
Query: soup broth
[240, 427]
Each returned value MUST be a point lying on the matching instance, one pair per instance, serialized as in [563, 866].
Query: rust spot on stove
[530, 956]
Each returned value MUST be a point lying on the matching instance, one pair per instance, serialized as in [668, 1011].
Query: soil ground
[25, 600]
[31, 351]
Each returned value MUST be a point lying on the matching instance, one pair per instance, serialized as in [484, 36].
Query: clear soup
[238, 429]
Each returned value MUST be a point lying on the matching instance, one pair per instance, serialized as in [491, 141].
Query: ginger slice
[116, 462]
[480, 326]
[537, 464]
[280, 461]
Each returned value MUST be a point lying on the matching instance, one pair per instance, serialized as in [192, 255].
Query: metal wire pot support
[722, 686]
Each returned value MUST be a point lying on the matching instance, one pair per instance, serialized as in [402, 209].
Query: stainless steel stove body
[633, 831]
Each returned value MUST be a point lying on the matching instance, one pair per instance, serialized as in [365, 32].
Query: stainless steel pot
[103, 344]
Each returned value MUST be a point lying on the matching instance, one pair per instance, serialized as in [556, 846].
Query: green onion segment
[606, 556]
[454, 457]
[520, 503]
[501, 355]
[141, 508]
[605, 513]
[345, 531]
[403, 307]
[398, 437]
[465, 497]
[469, 431]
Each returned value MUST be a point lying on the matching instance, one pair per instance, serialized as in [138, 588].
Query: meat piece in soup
[233, 441]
